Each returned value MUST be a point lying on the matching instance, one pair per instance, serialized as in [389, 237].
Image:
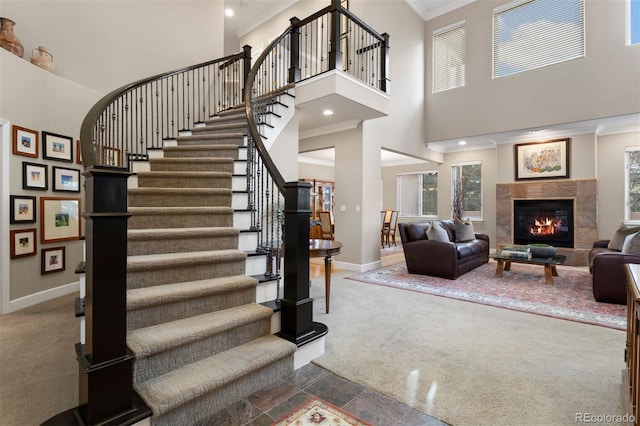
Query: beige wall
[611, 175]
[40, 101]
[105, 44]
[604, 83]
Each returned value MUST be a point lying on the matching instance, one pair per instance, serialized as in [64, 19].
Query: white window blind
[536, 33]
[449, 57]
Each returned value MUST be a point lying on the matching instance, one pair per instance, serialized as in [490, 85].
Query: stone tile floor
[271, 403]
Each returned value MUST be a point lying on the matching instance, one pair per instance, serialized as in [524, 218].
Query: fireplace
[548, 221]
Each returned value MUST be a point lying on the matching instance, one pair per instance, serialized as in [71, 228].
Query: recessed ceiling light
[327, 112]
[228, 11]
[462, 143]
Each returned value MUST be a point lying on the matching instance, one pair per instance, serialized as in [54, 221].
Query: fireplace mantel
[583, 191]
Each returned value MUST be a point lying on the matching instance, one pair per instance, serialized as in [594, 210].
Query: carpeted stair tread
[204, 148]
[151, 340]
[231, 117]
[170, 293]
[212, 136]
[178, 387]
[169, 233]
[147, 262]
[183, 191]
[159, 211]
[192, 159]
[183, 174]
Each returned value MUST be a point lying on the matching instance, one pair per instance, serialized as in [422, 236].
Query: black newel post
[105, 363]
[297, 307]
[384, 64]
[335, 54]
[294, 70]
[246, 67]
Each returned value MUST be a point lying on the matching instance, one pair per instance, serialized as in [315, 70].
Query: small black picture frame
[57, 147]
[23, 209]
[35, 176]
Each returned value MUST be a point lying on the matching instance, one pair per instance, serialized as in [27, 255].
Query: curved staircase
[199, 338]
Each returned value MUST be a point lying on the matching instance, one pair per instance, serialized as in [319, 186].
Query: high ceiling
[251, 13]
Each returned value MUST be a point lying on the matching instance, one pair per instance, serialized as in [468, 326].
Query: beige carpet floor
[38, 367]
[469, 364]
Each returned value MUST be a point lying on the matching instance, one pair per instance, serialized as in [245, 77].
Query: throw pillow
[435, 232]
[621, 233]
[632, 244]
[627, 242]
[464, 230]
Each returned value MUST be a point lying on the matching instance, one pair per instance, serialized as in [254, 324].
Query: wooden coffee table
[549, 263]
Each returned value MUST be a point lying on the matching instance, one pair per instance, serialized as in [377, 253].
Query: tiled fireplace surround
[584, 193]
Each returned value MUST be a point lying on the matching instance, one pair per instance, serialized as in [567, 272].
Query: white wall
[104, 44]
[604, 83]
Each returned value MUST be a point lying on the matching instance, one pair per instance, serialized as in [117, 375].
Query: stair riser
[183, 220]
[233, 128]
[158, 314]
[179, 200]
[183, 182]
[202, 408]
[195, 271]
[240, 201]
[153, 366]
[185, 152]
[242, 220]
[181, 245]
[170, 166]
[248, 241]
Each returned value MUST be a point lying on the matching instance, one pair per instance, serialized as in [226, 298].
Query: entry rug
[570, 297]
[318, 412]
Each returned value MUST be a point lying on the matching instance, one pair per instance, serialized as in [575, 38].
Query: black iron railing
[126, 123]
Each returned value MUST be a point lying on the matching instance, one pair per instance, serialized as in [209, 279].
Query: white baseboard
[43, 296]
[357, 267]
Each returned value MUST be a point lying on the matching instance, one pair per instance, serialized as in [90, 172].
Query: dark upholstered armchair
[608, 273]
[446, 259]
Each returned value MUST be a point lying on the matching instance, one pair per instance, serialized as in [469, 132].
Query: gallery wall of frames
[46, 214]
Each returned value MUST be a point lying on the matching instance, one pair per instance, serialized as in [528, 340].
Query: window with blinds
[633, 22]
[536, 33]
[449, 57]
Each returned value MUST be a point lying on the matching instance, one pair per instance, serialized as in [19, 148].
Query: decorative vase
[8, 39]
[44, 60]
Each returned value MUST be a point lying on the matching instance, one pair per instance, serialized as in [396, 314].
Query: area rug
[570, 297]
[318, 412]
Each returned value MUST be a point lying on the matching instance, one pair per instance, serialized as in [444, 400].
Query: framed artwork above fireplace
[542, 160]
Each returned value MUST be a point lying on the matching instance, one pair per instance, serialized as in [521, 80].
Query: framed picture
[67, 180]
[59, 219]
[25, 142]
[542, 160]
[110, 156]
[23, 209]
[23, 242]
[52, 260]
[57, 147]
[34, 176]
[78, 153]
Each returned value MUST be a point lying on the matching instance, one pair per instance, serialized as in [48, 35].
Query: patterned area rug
[570, 297]
[318, 412]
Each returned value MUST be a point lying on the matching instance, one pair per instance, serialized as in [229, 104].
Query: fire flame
[545, 226]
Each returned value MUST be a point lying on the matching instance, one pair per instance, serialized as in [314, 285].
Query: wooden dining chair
[393, 224]
[386, 220]
[326, 227]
